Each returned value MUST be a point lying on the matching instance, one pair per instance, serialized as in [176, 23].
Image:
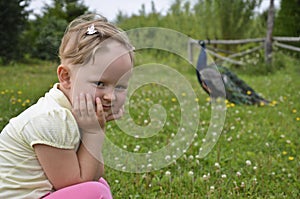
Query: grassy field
[257, 155]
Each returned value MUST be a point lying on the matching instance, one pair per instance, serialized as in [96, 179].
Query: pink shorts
[90, 190]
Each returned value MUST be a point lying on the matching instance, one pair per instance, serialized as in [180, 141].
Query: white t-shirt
[48, 122]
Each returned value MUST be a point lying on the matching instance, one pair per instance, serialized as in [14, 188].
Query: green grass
[257, 155]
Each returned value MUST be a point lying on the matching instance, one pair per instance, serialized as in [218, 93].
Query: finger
[75, 109]
[82, 105]
[100, 112]
[90, 105]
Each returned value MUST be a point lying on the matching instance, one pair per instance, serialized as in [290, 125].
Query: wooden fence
[214, 51]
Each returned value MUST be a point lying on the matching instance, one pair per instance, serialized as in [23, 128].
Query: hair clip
[91, 30]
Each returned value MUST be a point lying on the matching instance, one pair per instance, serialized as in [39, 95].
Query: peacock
[218, 81]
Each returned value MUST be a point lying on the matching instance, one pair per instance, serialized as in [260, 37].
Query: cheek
[121, 97]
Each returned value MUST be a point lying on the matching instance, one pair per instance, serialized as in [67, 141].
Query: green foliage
[45, 32]
[287, 20]
[13, 22]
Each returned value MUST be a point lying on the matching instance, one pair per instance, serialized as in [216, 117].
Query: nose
[109, 95]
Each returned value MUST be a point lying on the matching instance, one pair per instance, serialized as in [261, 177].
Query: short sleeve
[56, 128]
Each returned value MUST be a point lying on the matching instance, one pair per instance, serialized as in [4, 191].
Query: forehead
[111, 60]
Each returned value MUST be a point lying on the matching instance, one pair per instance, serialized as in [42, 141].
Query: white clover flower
[191, 173]
[267, 144]
[217, 165]
[223, 176]
[212, 188]
[238, 173]
[191, 157]
[205, 177]
[248, 162]
[255, 167]
[168, 158]
[168, 173]
[243, 184]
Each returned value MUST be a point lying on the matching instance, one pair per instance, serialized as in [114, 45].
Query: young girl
[53, 149]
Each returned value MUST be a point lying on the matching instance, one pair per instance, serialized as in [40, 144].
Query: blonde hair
[77, 47]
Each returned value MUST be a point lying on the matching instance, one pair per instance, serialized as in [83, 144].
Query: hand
[88, 119]
[115, 116]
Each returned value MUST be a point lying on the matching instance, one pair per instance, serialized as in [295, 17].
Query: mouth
[107, 107]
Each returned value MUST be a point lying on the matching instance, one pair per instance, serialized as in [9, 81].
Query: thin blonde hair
[77, 47]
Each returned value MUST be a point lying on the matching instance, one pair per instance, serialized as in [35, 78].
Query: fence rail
[213, 51]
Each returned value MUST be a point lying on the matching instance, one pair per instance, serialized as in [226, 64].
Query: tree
[13, 21]
[287, 20]
[46, 31]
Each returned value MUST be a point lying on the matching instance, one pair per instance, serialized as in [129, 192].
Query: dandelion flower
[294, 111]
[291, 158]
[173, 99]
[249, 92]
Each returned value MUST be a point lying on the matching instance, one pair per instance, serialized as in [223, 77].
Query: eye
[99, 84]
[121, 87]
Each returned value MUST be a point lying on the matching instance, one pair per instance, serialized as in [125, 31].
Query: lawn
[256, 156]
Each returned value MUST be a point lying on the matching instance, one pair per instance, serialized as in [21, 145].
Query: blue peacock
[218, 81]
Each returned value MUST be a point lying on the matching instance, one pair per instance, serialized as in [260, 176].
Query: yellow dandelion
[226, 101]
[147, 99]
[232, 104]
[208, 99]
[19, 92]
[284, 152]
[2, 92]
[228, 105]
[19, 100]
[183, 94]
[27, 101]
[23, 104]
[249, 92]
[291, 158]
[197, 99]
[173, 99]
[298, 118]
[294, 111]
[262, 104]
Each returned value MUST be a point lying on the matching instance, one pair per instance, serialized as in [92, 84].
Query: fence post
[268, 41]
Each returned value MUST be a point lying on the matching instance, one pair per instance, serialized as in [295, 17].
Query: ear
[64, 76]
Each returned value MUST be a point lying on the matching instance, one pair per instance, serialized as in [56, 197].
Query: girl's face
[106, 77]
